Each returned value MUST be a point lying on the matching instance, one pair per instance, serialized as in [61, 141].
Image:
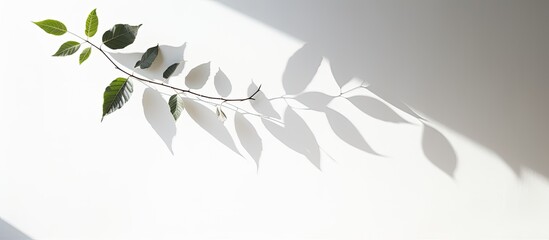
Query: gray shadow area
[198, 76]
[480, 68]
[222, 83]
[293, 131]
[262, 104]
[155, 107]
[296, 135]
[315, 100]
[375, 108]
[438, 150]
[347, 131]
[248, 136]
[167, 55]
[157, 113]
[301, 69]
[208, 121]
[8, 232]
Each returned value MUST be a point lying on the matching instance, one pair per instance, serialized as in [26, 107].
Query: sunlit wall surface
[376, 120]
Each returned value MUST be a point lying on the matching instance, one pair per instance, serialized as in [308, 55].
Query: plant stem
[251, 97]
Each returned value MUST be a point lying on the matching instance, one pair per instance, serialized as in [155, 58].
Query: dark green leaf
[220, 114]
[148, 57]
[120, 36]
[116, 94]
[169, 71]
[176, 106]
[137, 63]
[91, 24]
[85, 54]
[52, 26]
[67, 49]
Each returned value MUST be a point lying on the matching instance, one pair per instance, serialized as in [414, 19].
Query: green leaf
[52, 27]
[137, 63]
[169, 71]
[67, 48]
[116, 95]
[148, 57]
[85, 54]
[220, 114]
[91, 24]
[176, 106]
[120, 36]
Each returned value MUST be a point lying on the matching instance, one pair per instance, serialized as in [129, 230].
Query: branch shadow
[458, 63]
[293, 131]
[9, 232]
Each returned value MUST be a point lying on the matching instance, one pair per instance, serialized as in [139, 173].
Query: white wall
[474, 168]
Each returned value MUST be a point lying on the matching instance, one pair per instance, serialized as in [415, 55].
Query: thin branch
[251, 97]
[239, 110]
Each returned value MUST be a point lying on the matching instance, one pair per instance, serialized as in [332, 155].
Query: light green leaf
[52, 27]
[169, 71]
[220, 114]
[85, 54]
[91, 24]
[176, 106]
[116, 95]
[67, 48]
[148, 57]
[120, 36]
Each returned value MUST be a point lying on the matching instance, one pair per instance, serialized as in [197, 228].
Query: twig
[251, 97]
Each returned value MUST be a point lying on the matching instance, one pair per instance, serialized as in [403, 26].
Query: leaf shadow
[158, 115]
[375, 108]
[438, 150]
[9, 232]
[300, 69]
[341, 125]
[395, 101]
[198, 76]
[296, 135]
[208, 121]
[249, 138]
[167, 55]
[317, 101]
[262, 104]
[222, 83]
[347, 131]
[341, 77]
